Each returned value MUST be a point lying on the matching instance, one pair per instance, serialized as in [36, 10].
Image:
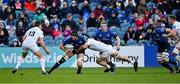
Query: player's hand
[164, 35]
[47, 51]
[118, 48]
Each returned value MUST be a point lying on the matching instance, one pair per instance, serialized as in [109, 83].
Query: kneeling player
[76, 41]
[105, 51]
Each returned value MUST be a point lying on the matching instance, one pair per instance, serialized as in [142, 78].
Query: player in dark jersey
[105, 35]
[76, 41]
[163, 46]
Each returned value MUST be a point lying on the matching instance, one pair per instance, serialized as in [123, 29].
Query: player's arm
[171, 34]
[84, 46]
[118, 40]
[142, 36]
[41, 42]
[62, 47]
[24, 37]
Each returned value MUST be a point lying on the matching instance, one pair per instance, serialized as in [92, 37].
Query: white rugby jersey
[176, 26]
[33, 34]
[97, 45]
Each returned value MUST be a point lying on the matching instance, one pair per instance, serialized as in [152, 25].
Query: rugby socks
[110, 63]
[172, 62]
[177, 59]
[61, 61]
[79, 70]
[19, 62]
[42, 63]
[165, 64]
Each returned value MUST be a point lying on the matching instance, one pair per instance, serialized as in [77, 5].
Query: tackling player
[76, 41]
[106, 51]
[163, 46]
[30, 39]
[175, 33]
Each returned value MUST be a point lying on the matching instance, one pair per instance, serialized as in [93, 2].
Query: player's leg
[106, 55]
[65, 57]
[162, 62]
[103, 62]
[176, 52]
[117, 55]
[41, 61]
[80, 58]
[20, 60]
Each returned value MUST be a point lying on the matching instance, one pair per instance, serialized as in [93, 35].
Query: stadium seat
[131, 42]
[75, 16]
[91, 31]
[115, 30]
[94, 1]
[47, 38]
[80, 5]
[30, 15]
[133, 25]
[10, 38]
[50, 43]
[144, 43]
[121, 34]
[59, 40]
[93, 6]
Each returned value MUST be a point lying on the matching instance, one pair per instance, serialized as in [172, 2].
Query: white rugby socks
[42, 63]
[19, 62]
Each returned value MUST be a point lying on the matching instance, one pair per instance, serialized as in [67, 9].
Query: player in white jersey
[175, 33]
[105, 51]
[30, 39]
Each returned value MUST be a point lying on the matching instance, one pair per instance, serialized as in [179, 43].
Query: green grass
[90, 75]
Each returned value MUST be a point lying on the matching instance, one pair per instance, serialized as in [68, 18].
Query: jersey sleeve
[113, 34]
[67, 40]
[41, 34]
[89, 41]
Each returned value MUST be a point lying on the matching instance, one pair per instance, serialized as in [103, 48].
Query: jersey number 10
[31, 33]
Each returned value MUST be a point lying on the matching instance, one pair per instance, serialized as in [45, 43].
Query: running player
[175, 33]
[163, 46]
[76, 41]
[106, 51]
[30, 39]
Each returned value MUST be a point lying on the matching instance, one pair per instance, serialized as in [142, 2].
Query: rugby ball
[69, 47]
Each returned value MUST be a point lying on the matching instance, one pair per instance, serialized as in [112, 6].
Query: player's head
[104, 26]
[38, 24]
[74, 35]
[150, 28]
[171, 19]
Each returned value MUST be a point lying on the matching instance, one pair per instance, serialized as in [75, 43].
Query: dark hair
[75, 33]
[172, 17]
[37, 23]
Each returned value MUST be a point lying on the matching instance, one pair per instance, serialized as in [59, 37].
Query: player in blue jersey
[105, 35]
[163, 46]
[76, 41]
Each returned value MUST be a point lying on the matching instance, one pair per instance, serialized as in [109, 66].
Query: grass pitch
[90, 75]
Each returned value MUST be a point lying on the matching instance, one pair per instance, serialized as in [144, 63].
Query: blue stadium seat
[75, 16]
[144, 43]
[131, 42]
[91, 31]
[80, 5]
[59, 40]
[94, 1]
[50, 43]
[121, 34]
[10, 38]
[115, 30]
[93, 6]
[47, 38]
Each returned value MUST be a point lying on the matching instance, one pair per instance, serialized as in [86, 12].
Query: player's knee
[80, 62]
[98, 60]
[175, 52]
